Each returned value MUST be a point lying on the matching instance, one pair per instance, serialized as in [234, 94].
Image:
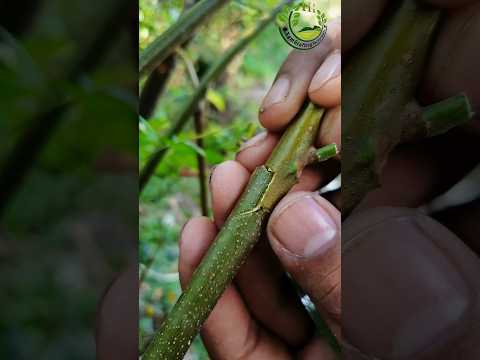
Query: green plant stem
[154, 87]
[435, 119]
[213, 73]
[148, 265]
[324, 153]
[447, 114]
[385, 70]
[201, 161]
[177, 34]
[242, 230]
[382, 76]
[199, 125]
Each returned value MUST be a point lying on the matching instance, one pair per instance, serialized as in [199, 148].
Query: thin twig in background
[198, 118]
[149, 265]
[158, 79]
[177, 34]
[154, 87]
[199, 125]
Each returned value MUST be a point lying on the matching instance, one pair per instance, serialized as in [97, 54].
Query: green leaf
[194, 147]
[147, 129]
[216, 99]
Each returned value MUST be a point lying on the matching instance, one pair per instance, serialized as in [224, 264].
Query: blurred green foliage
[66, 232]
[233, 100]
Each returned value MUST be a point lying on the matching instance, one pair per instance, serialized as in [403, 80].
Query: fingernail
[304, 228]
[329, 70]
[256, 140]
[278, 93]
[401, 284]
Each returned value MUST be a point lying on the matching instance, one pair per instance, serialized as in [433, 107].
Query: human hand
[260, 315]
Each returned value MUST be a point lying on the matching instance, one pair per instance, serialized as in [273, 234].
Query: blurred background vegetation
[68, 180]
[230, 117]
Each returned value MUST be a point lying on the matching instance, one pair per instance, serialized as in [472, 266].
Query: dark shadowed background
[68, 171]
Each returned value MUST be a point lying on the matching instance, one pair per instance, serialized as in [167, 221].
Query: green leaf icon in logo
[303, 26]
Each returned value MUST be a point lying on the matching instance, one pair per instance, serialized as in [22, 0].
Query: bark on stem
[245, 225]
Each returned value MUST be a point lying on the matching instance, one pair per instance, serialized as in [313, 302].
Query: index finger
[290, 87]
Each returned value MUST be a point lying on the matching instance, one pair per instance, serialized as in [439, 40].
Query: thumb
[304, 232]
[411, 288]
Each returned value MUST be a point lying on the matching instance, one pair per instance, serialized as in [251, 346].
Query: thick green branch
[165, 44]
[187, 112]
[385, 70]
[244, 227]
[382, 76]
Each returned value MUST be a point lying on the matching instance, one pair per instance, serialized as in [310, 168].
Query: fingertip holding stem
[275, 110]
[278, 93]
[254, 141]
[329, 70]
[304, 232]
[196, 236]
[226, 185]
